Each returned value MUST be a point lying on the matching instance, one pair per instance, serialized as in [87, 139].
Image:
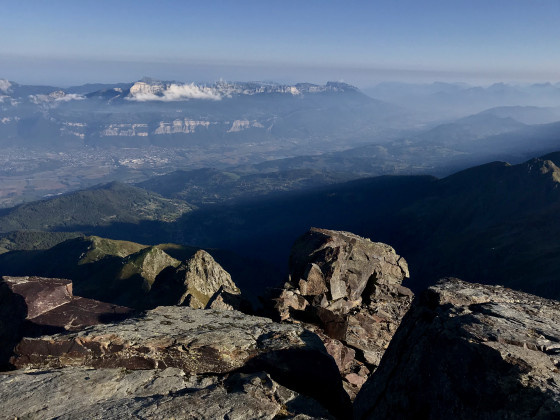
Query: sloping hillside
[98, 206]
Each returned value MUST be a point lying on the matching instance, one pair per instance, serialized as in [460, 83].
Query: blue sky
[361, 42]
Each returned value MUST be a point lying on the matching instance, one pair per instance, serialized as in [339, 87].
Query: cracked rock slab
[469, 351]
[197, 342]
[81, 393]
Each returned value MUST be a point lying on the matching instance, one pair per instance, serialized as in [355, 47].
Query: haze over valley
[265, 210]
[58, 140]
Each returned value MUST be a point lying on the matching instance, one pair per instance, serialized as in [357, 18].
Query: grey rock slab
[198, 342]
[469, 351]
[81, 393]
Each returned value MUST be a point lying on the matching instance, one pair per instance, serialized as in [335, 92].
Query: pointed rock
[196, 282]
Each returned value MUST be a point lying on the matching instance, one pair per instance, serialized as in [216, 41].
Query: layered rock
[349, 289]
[469, 351]
[38, 305]
[199, 282]
[198, 342]
[153, 394]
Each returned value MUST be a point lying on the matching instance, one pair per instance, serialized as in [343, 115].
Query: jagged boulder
[350, 288]
[198, 283]
[154, 394]
[198, 342]
[469, 351]
[146, 264]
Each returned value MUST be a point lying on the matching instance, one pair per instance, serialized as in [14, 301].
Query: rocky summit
[469, 351]
[348, 331]
[348, 290]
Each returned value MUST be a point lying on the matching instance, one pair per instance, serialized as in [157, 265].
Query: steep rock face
[469, 351]
[196, 283]
[146, 264]
[37, 305]
[154, 394]
[198, 342]
[349, 289]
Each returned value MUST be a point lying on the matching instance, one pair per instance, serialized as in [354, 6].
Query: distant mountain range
[151, 112]
[265, 137]
[453, 100]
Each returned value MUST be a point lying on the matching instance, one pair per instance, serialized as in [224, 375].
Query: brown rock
[288, 300]
[343, 356]
[38, 305]
[314, 283]
[355, 379]
[469, 351]
[50, 303]
[351, 288]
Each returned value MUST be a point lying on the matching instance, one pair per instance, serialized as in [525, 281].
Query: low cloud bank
[142, 92]
[58, 96]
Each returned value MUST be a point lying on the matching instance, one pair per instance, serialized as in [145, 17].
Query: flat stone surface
[198, 342]
[469, 351]
[81, 393]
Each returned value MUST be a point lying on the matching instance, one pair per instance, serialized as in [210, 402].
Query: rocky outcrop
[154, 394]
[146, 264]
[37, 305]
[469, 351]
[347, 289]
[198, 282]
[198, 342]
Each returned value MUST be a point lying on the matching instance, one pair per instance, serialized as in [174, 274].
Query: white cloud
[175, 92]
[4, 85]
[70, 97]
[58, 96]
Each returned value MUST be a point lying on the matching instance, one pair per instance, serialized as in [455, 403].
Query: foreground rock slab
[38, 305]
[349, 289]
[198, 342]
[469, 351]
[81, 393]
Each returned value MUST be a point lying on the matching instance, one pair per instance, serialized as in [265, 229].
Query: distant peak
[340, 86]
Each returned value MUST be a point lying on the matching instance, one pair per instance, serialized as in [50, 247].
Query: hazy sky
[361, 42]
